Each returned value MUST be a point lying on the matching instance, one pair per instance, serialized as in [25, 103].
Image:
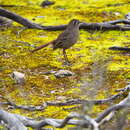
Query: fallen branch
[67, 103]
[123, 104]
[29, 108]
[117, 48]
[18, 19]
[88, 26]
[11, 119]
[124, 21]
[126, 89]
[79, 101]
[118, 4]
[15, 121]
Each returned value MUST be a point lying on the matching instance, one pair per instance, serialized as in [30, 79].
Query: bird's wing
[62, 38]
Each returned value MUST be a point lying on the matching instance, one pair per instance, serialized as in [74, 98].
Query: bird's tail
[42, 46]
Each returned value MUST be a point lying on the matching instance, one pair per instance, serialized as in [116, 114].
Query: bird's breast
[72, 39]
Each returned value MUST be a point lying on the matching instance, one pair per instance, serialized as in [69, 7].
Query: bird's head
[75, 22]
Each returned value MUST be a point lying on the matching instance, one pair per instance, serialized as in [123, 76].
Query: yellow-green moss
[91, 48]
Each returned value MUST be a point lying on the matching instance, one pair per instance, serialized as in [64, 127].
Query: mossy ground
[92, 48]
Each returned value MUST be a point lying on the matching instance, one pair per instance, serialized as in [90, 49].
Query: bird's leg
[65, 57]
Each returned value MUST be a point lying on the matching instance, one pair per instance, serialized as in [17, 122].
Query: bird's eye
[75, 22]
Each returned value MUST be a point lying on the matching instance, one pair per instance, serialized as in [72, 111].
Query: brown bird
[66, 39]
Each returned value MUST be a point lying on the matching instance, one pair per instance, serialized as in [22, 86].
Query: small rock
[40, 16]
[127, 16]
[63, 73]
[47, 3]
[18, 77]
[61, 98]
[53, 91]
[59, 73]
[117, 13]
[46, 77]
